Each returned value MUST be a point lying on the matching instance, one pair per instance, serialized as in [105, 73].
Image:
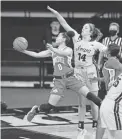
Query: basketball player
[111, 110]
[111, 69]
[84, 51]
[64, 76]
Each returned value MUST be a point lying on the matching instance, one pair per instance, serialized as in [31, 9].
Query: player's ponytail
[96, 35]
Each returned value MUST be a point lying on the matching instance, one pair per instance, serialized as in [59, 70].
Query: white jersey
[115, 92]
[84, 51]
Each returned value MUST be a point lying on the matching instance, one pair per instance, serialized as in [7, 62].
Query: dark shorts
[71, 83]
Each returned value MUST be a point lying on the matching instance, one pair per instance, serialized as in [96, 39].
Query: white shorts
[111, 114]
[85, 73]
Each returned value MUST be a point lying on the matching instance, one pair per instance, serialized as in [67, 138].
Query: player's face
[55, 25]
[60, 39]
[86, 30]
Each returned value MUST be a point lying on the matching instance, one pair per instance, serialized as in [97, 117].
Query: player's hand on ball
[20, 50]
[49, 46]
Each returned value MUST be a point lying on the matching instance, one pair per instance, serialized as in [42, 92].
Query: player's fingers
[17, 49]
[14, 48]
[49, 45]
[48, 7]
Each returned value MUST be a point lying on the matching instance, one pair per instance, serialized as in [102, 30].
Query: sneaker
[81, 133]
[32, 113]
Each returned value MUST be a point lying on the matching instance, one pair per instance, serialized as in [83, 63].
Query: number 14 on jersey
[82, 57]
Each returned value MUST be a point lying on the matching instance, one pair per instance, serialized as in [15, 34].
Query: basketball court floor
[61, 123]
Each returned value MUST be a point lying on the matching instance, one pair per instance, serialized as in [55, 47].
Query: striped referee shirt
[107, 41]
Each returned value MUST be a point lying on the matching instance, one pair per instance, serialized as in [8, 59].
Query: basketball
[20, 43]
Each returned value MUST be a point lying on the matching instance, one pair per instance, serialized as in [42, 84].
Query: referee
[113, 38]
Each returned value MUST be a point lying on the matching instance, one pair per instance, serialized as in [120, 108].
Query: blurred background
[32, 20]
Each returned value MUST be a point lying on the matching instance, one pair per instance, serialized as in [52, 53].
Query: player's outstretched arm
[41, 54]
[61, 20]
[102, 49]
[100, 60]
[65, 52]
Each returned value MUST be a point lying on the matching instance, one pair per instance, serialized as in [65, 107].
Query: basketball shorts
[71, 83]
[111, 114]
[85, 74]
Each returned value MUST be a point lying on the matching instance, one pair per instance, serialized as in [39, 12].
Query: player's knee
[84, 91]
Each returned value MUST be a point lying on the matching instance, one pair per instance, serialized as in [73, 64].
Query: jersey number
[116, 82]
[60, 66]
[83, 57]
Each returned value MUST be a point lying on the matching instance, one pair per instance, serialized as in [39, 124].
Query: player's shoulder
[96, 44]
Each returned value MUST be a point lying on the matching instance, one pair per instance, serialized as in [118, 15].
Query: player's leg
[81, 117]
[54, 98]
[93, 87]
[82, 100]
[85, 91]
[100, 131]
[94, 112]
[106, 118]
[75, 85]
[79, 87]
[81, 111]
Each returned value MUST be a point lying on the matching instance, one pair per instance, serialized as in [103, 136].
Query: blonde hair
[114, 24]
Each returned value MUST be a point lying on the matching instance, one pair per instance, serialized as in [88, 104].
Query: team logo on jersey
[58, 59]
[83, 49]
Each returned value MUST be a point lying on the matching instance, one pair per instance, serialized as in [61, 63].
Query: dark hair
[67, 37]
[97, 35]
[94, 30]
[114, 49]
